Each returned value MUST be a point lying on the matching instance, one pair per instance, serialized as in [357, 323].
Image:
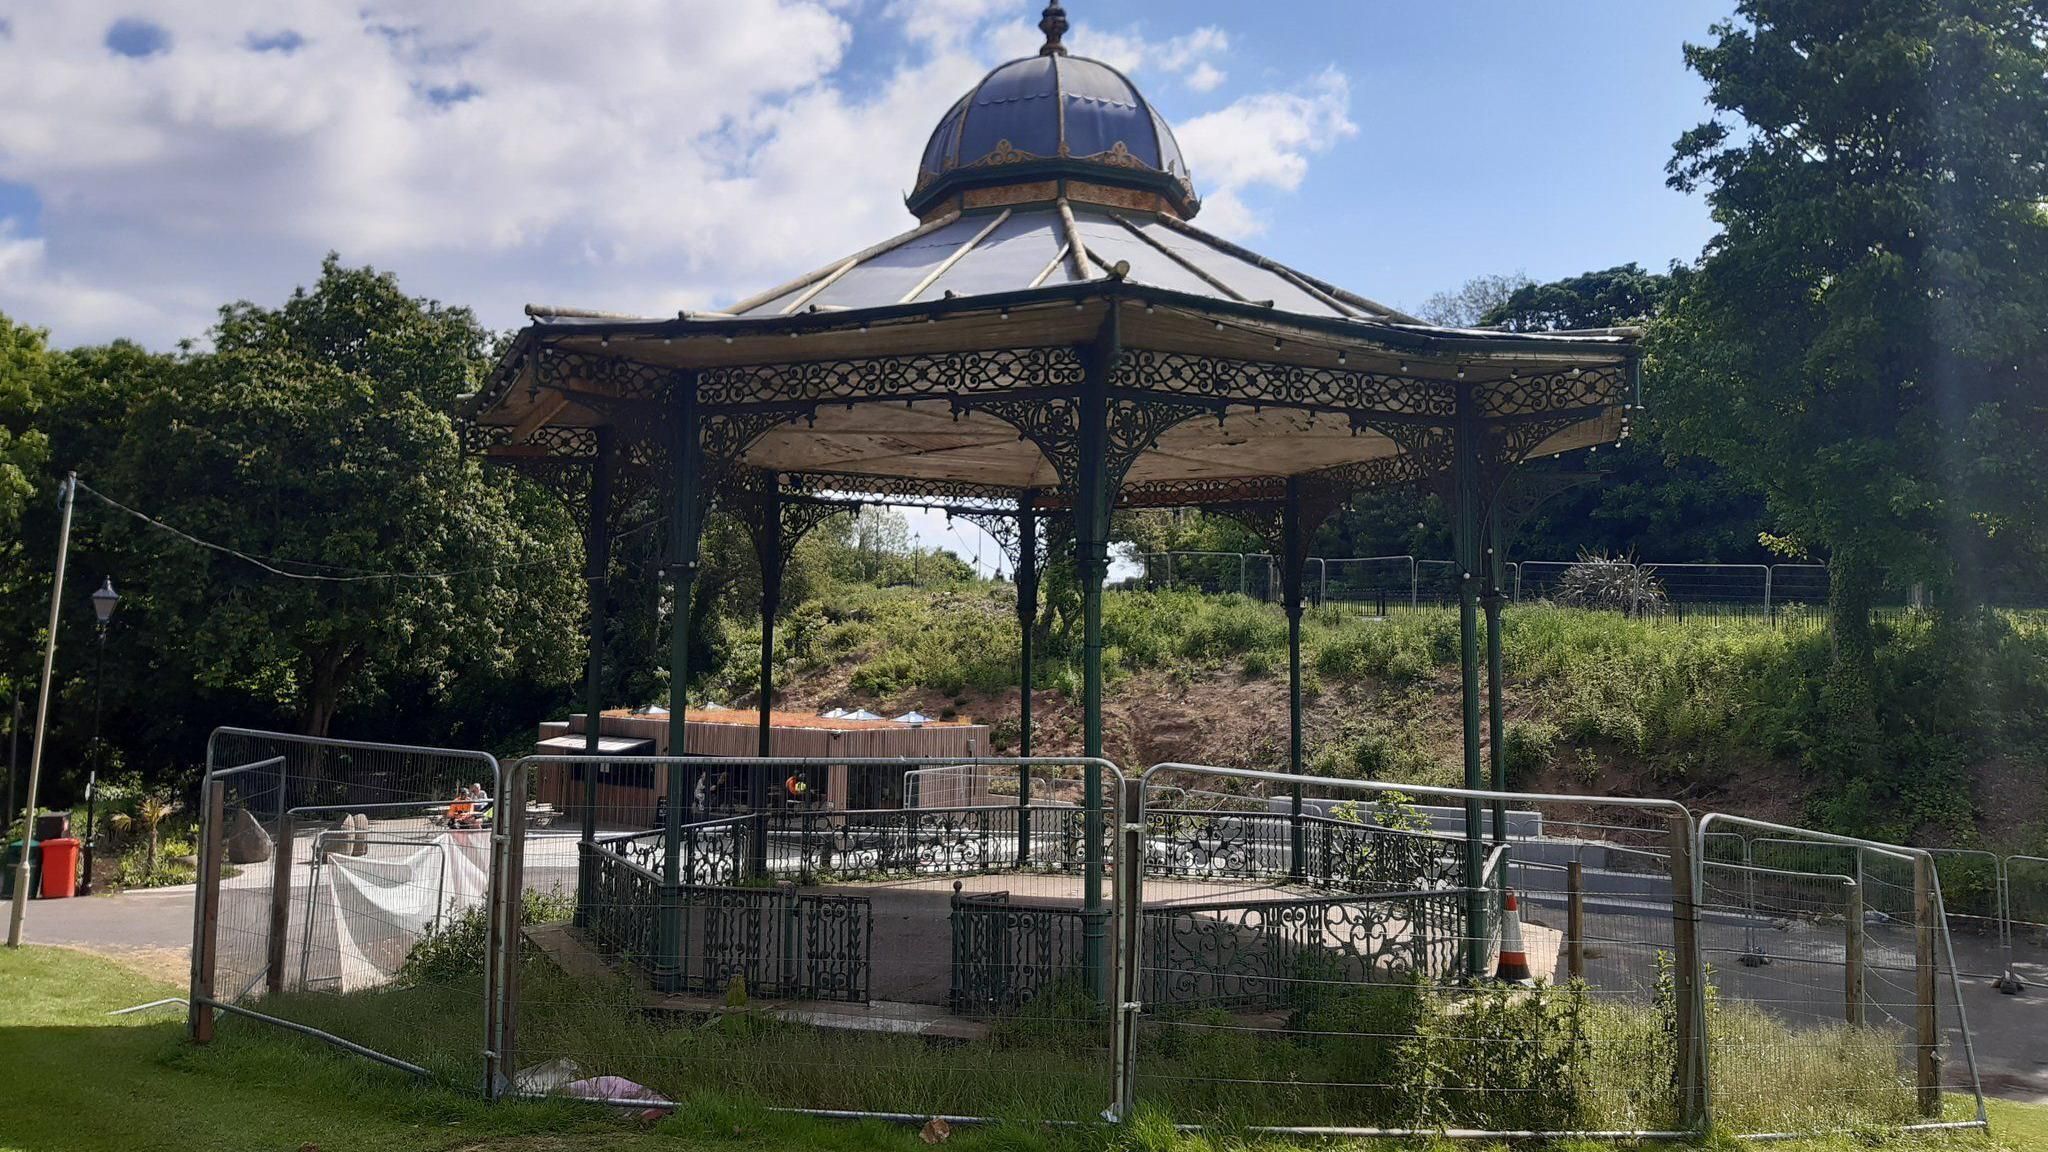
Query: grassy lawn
[80, 1080]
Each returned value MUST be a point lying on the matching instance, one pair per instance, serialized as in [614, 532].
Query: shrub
[141, 868]
[1526, 749]
[455, 950]
[1616, 583]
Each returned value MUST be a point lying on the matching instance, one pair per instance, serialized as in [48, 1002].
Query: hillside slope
[1717, 713]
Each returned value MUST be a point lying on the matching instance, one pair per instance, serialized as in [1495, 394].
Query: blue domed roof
[1053, 115]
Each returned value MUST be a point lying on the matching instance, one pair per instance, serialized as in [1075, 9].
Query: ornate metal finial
[1054, 25]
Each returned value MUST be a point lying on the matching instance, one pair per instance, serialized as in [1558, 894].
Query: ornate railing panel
[1006, 955]
[625, 901]
[713, 851]
[1272, 953]
[1349, 856]
[810, 946]
[1337, 855]
[901, 843]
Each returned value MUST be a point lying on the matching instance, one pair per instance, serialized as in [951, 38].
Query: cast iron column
[686, 454]
[1465, 540]
[1091, 547]
[597, 562]
[1495, 720]
[1027, 619]
[768, 546]
[1292, 561]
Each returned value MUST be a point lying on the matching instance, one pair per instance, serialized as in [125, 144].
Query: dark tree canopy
[1864, 341]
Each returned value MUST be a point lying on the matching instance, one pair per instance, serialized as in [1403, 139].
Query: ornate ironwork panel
[1005, 956]
[1278, 953]
[1135, 425]
[1349, 856]
[892, 377]
[838, 936]
[1569, 388]
[1218, 845]
[811, 946]
[624, 901]
[601, 375]
[737, 927]
[897, 843]
[1255, 382]
[1053, 423]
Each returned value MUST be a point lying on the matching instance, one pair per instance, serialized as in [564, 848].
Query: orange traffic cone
[1514, 962]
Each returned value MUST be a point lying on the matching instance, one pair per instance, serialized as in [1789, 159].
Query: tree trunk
[1851, 742]
[1852, 588]
[331, 670]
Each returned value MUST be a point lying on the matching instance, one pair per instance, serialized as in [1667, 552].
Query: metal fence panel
[880, 961]
[349, 871]
[1311, 966]
[1839, 1000]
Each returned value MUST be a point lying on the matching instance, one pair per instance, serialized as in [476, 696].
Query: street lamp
[103, 602]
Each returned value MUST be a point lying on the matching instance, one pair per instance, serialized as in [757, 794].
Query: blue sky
[646, 155]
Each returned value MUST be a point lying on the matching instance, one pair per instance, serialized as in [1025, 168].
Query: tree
[1468, 305]
[319, 438]
[1863, 340]
[1651, 500]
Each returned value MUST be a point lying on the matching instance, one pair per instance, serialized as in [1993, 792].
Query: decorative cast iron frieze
[1593, 387]
[1255, 382]
[587, 375]
[747, 493]
[932, 375]
[854, 489]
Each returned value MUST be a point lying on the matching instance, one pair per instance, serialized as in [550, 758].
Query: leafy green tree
[1863, 340]
[318, 437]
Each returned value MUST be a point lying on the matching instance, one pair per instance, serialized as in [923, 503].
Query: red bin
[60, 868]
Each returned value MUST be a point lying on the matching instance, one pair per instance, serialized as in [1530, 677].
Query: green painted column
[1091, 546]
[1293, 559]
[1465, 514]
[768, 549]
[684, 526]
[597, 562]
[1027, 619]
[1496, 724]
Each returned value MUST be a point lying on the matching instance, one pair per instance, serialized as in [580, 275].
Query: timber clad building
[630, 795]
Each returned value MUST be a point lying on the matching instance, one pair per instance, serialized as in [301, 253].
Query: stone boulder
[248, 843]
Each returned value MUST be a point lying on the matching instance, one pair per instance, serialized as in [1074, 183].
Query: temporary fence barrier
[330, 868]
[790, 947]
[1839, 1001]
[1669, 591]
[1264, 952]
[1311, 966]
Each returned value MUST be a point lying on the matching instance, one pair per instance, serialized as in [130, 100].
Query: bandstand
[1055, 339]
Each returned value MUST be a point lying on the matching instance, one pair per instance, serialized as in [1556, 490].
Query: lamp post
[103, 602]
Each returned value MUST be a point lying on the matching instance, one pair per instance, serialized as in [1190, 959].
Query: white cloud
[32, 291]
[1205, 77]
[642, 155]
[1263, 140]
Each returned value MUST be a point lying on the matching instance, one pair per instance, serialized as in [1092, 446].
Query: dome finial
[1054, 25]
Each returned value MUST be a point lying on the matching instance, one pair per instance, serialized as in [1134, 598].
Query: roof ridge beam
[1075, 245]
[959, 253]
[808, 278]
[1181, 260]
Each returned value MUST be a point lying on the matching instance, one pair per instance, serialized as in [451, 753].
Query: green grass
[79, 1081]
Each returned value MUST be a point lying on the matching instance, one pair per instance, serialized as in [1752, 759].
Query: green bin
[11, 861]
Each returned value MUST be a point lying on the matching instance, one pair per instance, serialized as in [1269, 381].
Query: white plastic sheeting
[383, 903]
